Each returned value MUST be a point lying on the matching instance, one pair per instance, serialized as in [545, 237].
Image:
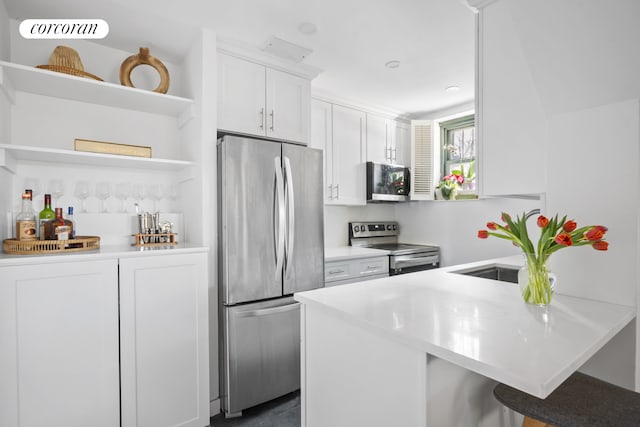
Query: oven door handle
[412, 261]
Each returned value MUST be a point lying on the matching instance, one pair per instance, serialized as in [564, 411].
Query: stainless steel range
[403, 257]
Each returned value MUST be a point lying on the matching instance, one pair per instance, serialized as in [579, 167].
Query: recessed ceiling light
[308, 28]
[452, 88]
[392, 64]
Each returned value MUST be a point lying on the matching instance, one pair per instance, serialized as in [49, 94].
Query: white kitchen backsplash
[337, 218]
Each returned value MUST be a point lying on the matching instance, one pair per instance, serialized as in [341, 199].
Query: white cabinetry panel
[288, 104]
[348, 156]
[321, 139]
[164, 341]
[512, 124]
[257, 100]
[379, 141]
[59, 340]
[355, 270]
[241, 95]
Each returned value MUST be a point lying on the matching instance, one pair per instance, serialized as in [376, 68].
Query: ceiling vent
[286, 50]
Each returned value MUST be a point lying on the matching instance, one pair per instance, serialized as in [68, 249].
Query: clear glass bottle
[46, 216]
[69, 217]
[26, 219]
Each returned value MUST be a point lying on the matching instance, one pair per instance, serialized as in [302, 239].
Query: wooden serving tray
[150, 239]
[40, 247]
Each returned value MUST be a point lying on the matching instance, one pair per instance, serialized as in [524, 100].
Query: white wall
[337, 218]
[453, 225]
[6, 179]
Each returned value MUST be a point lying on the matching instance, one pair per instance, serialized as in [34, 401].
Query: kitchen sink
[492, 271]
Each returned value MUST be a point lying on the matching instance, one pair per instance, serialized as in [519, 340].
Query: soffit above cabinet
[250, 53]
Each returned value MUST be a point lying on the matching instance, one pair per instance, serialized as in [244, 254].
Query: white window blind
[422, 187]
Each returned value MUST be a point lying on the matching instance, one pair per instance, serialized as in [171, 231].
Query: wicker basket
[41, 247]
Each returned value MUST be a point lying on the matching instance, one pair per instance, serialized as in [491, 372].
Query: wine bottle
[62, 229]
[26, 219]
[46, 216]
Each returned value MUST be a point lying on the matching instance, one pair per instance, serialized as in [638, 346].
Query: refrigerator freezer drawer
[262, 353]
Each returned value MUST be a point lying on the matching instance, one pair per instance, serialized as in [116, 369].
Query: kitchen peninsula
[427, 348]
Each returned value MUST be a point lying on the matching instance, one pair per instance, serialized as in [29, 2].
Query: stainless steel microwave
[387, 183]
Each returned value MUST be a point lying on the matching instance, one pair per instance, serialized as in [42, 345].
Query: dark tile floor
[281, 412]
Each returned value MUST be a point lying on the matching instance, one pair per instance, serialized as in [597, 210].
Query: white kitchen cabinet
[59, 340]
[257, 100]
[379, 139]
[341, 272]
[164, 341]
[511, 120]
[340, 132]
[402, 143]
[321, 139]
[388, 141]
[348, 183]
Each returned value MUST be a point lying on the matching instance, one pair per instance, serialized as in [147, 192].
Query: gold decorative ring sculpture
[144, 58]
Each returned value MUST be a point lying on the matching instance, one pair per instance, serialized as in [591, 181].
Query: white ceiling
[432, 39]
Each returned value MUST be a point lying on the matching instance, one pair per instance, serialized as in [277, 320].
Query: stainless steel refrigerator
[271, 244]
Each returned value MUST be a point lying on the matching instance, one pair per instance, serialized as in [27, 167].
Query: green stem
[538, 288]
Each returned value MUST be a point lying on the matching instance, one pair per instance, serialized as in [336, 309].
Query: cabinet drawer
[373, 266]
[337, 271]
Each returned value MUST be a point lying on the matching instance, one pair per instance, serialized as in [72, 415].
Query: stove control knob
[356, 228]
[388, 226]
[395, 227]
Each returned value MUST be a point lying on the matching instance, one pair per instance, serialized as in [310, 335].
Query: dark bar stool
[580, 401]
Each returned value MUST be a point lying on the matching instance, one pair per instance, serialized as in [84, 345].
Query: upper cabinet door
[401, 147]
[348, 156]
[241, 96]
[288, 106]
[321, 139]
[378, 139]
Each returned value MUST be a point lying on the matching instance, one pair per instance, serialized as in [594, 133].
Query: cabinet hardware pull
[336, 271]
[261, 125]
[273, 120]
[372, 267]
[337, 191]
[330, 192]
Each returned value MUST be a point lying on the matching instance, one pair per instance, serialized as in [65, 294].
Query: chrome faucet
[531, 213]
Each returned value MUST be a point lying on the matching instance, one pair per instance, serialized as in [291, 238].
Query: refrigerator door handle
[279, 213]
[290, 215]
[269, 311]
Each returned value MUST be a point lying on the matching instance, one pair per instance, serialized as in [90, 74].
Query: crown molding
[331, 97]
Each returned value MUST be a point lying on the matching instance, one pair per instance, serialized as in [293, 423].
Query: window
[458, 143]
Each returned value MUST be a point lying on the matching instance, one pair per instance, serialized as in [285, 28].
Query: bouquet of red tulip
[556, 234]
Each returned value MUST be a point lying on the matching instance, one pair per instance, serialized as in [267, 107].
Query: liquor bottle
[46, 216]
[61, 228]
[26, 219]
[69, 218]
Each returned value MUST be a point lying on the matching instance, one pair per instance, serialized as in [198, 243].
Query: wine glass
[138, 193]
[56, 189]
[32, 184]
[103, 191]
[122, 192]
[82, 192]
[155, 193]
[171, 192]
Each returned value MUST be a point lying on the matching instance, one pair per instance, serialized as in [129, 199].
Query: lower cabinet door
[164, 341]
[59, 345]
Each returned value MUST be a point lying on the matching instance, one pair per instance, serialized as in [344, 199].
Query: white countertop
[480, 324]
[351, 252]
[104, 252]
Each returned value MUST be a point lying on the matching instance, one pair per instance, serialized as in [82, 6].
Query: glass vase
[536, 282]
